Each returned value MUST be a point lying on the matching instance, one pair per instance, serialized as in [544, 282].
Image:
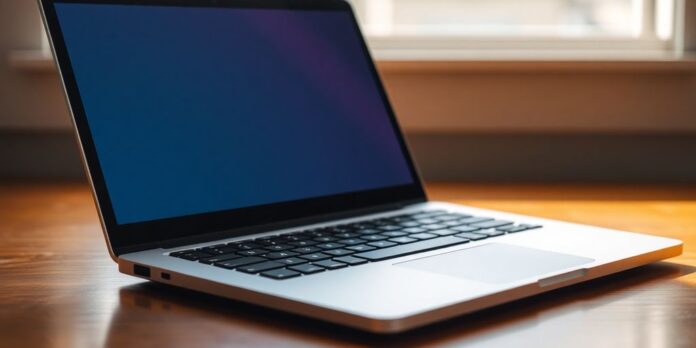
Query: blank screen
[195, 110]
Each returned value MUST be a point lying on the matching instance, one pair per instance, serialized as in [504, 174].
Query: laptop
[247, 149]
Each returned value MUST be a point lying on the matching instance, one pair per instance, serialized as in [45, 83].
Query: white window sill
[433, 61]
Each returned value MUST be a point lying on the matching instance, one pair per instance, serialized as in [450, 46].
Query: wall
[600, 121]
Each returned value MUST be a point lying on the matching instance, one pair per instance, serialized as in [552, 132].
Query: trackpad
[496, 263]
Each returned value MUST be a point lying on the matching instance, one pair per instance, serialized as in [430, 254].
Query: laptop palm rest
[497, 263]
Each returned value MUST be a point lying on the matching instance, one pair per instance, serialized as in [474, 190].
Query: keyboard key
[253, 252]
[491, 232]
[428, 214]
[474, 220]
[394, 234]
[292, 261]
[427, 221]
[390, 227]
[361, 248]
[339, 252]
[423, 235]
[374, 237]
[435, 227]
[303, 243]
[414, 230]
[492, 224]
[449, 217]
[330, 264]
[409, 224]
[194, 255]
[381, 244]
[280, 255]
[325, 239]
[369, 231]
[260, 267]
[516, 229]
[279, 247]
[471, 235]
[307, 250]
[280, 274]
[465, 229]
[445, 232]
[315, 257]
[412, 248]
[230, 264]
[351, 241]
[402, 240]
[218, 258]
[346, 235]
[307, 269]
[353, 261]
[329, 246]
[530, 226]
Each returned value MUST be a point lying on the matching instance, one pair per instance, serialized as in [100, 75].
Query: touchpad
[496, 263]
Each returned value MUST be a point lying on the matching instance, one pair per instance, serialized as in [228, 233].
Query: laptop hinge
[267, 227]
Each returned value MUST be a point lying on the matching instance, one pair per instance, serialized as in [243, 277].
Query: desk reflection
[645, 307]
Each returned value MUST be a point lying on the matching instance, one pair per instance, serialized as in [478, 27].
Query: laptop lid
[201, 116]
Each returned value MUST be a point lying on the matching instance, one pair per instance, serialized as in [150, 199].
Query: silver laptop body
[374, 254]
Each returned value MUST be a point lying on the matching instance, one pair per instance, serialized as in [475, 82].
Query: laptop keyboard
[317, 250]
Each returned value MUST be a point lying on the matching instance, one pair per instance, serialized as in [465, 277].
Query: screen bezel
[133, 236]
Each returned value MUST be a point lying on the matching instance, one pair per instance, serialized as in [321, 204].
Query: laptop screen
[195, 110]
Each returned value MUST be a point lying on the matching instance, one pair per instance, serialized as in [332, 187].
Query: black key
[194, 255]
[346, 235]
[381, 244]
[307, 269]
[412, 248]
[244, 245]
[409, 224]
[361, 248]
[330, 264]
[506, 228]
[423, 235]
[390, 228]
[428, 214]
[329, 246]
[414, 230]
[471, 235]
[369, 231]
[295, 237]
[280, 255]
[492, 224]
[315, 257]
[402, 240]
[338, 252]
[465, 229]
[260, 267]
[279, 247]
[449, 217]
[474, 220]
[292, 261]
[179, 253]
[303, 243]
[427, 221]
[230, 264]
[394, 234]
[306, 250]
[280, 274]
[435, 227]
[445, 232]
[350, 260]
[374, 237]
[530, 226]
[325, 239]
[351, 241]
[517, 229]
[452, 223]
[253, 252]
[218, 258]
[491, 232]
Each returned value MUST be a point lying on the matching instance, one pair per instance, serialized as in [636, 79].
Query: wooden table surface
[58, 286]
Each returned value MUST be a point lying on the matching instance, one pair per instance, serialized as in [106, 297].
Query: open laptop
[247, 149]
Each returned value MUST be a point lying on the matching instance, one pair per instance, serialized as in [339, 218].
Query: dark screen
[196, 110]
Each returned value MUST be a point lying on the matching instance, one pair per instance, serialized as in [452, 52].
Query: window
[514, 24]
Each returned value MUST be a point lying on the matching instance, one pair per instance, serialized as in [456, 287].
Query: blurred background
[486, 90]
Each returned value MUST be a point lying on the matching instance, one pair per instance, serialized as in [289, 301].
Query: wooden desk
[58, 286]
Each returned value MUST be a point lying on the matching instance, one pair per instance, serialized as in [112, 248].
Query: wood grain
[59, 288]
